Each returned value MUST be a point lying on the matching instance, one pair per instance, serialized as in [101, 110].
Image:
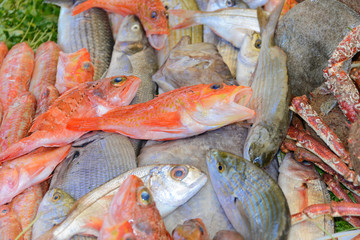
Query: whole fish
[73, 69]
[193, 229]
[87, 99]
[10, 226]
[187, 62]
[251, 199]
[15, 73]
[90, 29]
[17, 120]
[25, 205]
[54, 207]
[26, 171]
[150, 12]
[169, 191]
[302, 187]
[180, 113]
[122, 231]
[3, 51]
[47, 98]
[134, 202]
[45, 68]
[271, 97]
[228, 235]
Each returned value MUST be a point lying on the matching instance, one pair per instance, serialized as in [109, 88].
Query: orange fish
[271, 5]
[17, 120]
[46, 60]
[193, 229]
[133, 202]
[3, 51]
[180, 113]
[10, 226]
[25, 205]
[121, 231]
[28, 170]
[73, 69]
[47, 98]
[15, 73]
[151, 13]
[89, 99]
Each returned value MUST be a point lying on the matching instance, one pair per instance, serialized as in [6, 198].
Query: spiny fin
[268, 24]
[187, 15]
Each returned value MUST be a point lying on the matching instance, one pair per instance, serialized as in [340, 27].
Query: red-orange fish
[73, 69]
[151, 13]
[47, 98]
[89, 99]
[3, 51]
[193, 229]
[180, 113]
[15, 73]
[121, 231]
[46, 59]
[133, 202]
[10, 226]
[28, 170]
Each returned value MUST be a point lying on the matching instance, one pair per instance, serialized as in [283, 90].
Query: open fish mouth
[241, 95]
[157, 41]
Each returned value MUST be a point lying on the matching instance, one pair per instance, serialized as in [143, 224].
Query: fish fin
[94, 223]
[84, 124]
[170, 120]
[262, 18]
[187, 15]
[83, 7]
[38, 122]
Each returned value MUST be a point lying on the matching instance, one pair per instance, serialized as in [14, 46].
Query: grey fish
[270, 98]
[251, 199]
[90, 29]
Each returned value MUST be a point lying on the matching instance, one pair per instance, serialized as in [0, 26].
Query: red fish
[193, 229]
[133, 202]
[10, 226]
[89, 99]
[121, 231]
[151, 13]
[73, 69]
[3, 51]
[47, 98]
[15, 73]
[180, 113]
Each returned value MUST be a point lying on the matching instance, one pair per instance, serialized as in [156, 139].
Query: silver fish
[251, 199]
[270, 98]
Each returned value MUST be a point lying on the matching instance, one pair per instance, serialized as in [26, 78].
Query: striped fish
[270, 98]
[251, 199]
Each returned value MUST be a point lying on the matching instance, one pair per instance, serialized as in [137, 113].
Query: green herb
[30, 21]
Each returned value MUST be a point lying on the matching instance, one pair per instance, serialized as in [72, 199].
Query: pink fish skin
[15, 73]
[17, 120]
[28, 170]
[3, 51]
[180, 113]
[46, 59]
[47, 98]
[89, 99]
[73, 69]
[120, 231]
[10, 226]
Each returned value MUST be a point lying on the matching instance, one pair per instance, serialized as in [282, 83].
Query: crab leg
[302, 107]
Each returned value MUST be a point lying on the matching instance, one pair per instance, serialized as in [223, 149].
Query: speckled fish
[180, 113]
[251, 199]
[134, 202]
[53, 208]
[302, 187]
[150, 12]
[193, 229]
[45, 68]
[23, 172]
[271, 97]
[87, 99]
[47, 98]
[90, 29]
[195, 32]
[17, 120]
[170, 185]
[25, 205]
[15, 73]
[3, 51]
[10, 226]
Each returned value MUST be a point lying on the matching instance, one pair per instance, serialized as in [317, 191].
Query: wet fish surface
[193, 229]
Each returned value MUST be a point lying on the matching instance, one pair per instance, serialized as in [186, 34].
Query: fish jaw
[157, 41]
[10, 226]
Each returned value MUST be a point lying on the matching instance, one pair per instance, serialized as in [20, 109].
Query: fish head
[9, 223]
[193, 229]
[173, 185]
[250, 48]
[220, 164]
[217, 104]
[218, 4]
[9, 182]
[155, 21]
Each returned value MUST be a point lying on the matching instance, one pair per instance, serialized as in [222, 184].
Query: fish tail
[187, 15]
[83, 7]
[84, 124]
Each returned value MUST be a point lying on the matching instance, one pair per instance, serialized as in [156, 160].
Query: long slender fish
[252, 200]
[271, 96]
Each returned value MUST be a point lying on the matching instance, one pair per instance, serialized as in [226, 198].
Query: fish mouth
[241, 95]
[157, 41]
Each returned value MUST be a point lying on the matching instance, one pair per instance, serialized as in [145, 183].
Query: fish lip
[157, 40]
[238, 96]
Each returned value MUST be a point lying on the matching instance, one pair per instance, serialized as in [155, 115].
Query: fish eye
[179, 173]
[56, 196]
[144, 196]
[167, 15]
[258, 43]
[216, 86]
[201, 230]
[220, 167]
[86, 65]
[5, 210]
[154, 14]
[118, 80]
[135, 27]
[230, 3]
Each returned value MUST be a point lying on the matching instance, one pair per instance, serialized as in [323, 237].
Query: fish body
[17, 120]
[87, 99]
[151, 14]
[193, 229]
[169, 192]
[3, 51]
[73, 69]
[270, 99]
[10, 226]
[133, 202]
[47, 97]
[23, 172]
[118, 231]
[180, 113]
[252, 200]
[15, 73]
[45, 68]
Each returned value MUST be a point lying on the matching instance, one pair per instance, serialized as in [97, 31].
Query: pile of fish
[152, 119]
